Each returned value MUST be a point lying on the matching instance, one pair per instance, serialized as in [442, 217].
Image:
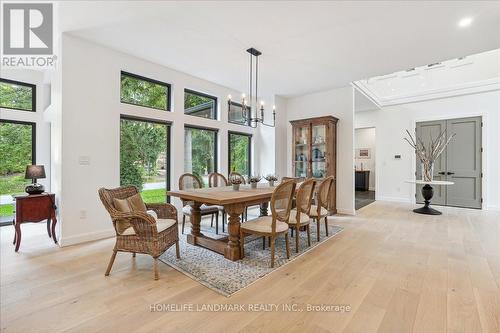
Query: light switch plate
[84, 160]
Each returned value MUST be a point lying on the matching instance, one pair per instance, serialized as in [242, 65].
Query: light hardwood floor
[399, 271]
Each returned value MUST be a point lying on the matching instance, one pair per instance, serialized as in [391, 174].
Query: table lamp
[35, 172]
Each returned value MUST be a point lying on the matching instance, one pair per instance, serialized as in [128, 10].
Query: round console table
[427, 193]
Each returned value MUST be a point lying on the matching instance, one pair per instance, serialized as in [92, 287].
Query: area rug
[228, 277]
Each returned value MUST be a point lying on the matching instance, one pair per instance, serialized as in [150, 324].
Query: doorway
[17, 148]
[459, 163]
[364, 166]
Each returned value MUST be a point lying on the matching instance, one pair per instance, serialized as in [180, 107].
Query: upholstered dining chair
[299, 217]
[295, 179]
[274, 225]
[138, 231]
[188, 181]
[216, 179]
[244, 216]
[319, 210]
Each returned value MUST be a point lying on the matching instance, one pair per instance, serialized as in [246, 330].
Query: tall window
[200, 152]
[17, 95]
[200, 105]
[240, 153]
[144, 157]
[139, 90]
[236, 115]
[17, 150]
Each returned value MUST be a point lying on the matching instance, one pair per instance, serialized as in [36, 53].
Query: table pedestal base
[427, 193]
[427, 210]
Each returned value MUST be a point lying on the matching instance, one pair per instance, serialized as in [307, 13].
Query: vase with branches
[428, 154]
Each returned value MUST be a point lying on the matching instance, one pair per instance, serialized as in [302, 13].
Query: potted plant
[254, 180]
[428, 154]
[271, 179]
[235, 181]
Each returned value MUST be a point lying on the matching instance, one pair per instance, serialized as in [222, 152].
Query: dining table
[234, 203]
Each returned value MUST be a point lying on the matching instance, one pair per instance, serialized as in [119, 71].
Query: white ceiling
[307, 46]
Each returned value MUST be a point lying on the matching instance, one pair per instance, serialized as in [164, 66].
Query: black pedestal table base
[427, 193]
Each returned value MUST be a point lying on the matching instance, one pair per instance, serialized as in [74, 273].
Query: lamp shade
[35, 172]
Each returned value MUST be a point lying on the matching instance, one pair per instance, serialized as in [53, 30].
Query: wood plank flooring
[398, 272]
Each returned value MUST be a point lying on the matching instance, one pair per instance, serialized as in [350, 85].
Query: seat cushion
[263, 225]
[153, 214]
[161, 224]
[314, 211]
[204, 209]
[304, 218]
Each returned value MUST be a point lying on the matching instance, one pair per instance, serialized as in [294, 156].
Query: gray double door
[459, 163]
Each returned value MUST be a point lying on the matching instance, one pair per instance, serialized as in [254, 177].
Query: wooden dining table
[234, 203]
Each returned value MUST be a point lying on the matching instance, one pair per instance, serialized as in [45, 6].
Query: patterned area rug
[227, 277]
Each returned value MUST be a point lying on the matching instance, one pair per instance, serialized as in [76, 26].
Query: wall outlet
[83, 214]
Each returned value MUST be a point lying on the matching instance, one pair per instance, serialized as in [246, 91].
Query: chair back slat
[295, 179]
[305, 195]
[239, 175]
[324, 192]
[188, 181]
[281, 202]
[216, 179]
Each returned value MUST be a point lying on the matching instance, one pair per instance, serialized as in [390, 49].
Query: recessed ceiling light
[465, 22]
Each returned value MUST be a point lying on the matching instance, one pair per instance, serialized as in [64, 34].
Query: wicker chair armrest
[144, 224]
[163, 210]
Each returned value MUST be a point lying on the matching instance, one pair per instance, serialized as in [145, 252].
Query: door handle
[450, 173]
[441, 173]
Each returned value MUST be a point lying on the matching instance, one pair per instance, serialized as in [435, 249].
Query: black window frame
[229, 103]
[33, 147]
[168, 86]
[250, 137]
[194, 92]
[25, 84]
[168, 124]
[216, 143]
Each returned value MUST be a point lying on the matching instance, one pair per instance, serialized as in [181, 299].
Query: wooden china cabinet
[315, 150]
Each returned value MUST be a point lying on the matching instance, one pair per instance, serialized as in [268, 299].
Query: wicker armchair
[145, 235]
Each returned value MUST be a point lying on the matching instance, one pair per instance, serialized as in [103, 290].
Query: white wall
[365, 138]
[391, 123]
[90, 113]
[39, 117]
[337, 103]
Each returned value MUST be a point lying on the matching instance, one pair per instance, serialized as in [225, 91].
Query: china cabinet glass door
[302, 158]
[319, 155]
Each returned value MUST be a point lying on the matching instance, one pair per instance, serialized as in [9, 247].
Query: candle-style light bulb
[243, 96]
[261, 103]
[229, 97]
[274, 108]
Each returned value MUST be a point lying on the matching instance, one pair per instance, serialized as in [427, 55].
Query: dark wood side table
[362, 180]
[35, 208]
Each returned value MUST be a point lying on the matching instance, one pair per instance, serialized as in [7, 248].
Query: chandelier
[250, 107]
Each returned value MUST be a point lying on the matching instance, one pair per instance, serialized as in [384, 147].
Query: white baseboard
[492, 207]
[371, 188]
[394, 199]
[345, 211]
[86, 237]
